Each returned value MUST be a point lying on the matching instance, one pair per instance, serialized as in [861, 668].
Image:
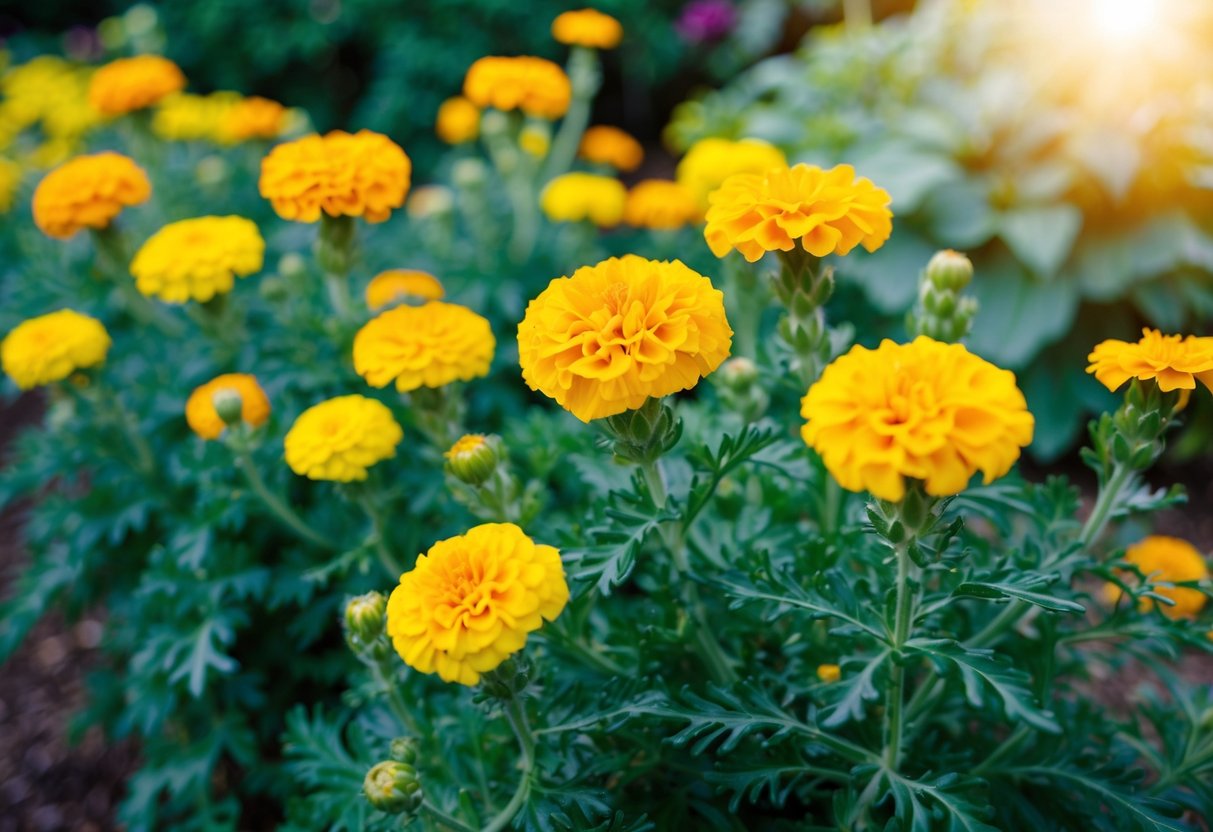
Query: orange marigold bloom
[200, 406]
[129, 84]
[660, 204]
[424, 346]
[613, 335]
[1175, 362]
[828, 212]
[88, 192]
[469, 603]
[458, 121]
[387, 288]
[253, 118]
[1169, 560]
[536, 86]
[360, 175]
[605, 145]
[587, 27]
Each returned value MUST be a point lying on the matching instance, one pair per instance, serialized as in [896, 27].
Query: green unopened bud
[430, 201]
[228, 405]
[642, 435]
[292, 264]
[364, 617]
[405, 750]
[211, 170]
[738, 374]
[469, 173]
[950, 270]
[739, 388]
[494, 121]
[393, 787]
[473, 458]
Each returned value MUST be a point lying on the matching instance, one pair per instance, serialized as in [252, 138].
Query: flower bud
[430, 201]
[228, 404]
[292, 264]
[393, 787]
[739, 388]
[364, 616]
[494, 121]
[950, 270]
[211, 170]
[534, 140]
[738, 374]
[473, 458]
[404, 750]
[469, 173]
[829, 673]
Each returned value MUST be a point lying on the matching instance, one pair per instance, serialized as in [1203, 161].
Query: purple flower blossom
[703, 21]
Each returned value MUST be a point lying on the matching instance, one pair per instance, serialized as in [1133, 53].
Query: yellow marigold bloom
[252, 118]
[536, 86]
[10, 182]
[129, 84]
[458, 121]
[183, 117]
[613, 335]
[361, 175]
[660, 204]
[829, 672]
[51, 347]
[197, 259]
[424, 346]
[589, 28]
[534, 141]
[53, 94]
[1175, 362]
[925, 410]
[387, 288]
[1169, 560]
[88, 192]
[605, 145]
[711, 161]
[826, 211]
[200, 407]
[584, 197]
[341, 438]
[470, 601]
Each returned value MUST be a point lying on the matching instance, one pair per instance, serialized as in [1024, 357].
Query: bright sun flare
[1123, 19]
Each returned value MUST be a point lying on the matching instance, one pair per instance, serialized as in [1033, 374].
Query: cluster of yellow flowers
[221, 117]
[49, 96]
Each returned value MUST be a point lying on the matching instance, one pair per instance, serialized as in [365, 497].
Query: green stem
[337, 287]
[383, 677]
[277, 506]
[379, 531]
[443, 818]
[516, 714]
[585, 77]
[901, 634]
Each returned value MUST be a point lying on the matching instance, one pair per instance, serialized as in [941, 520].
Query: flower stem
[443, 818]
[585, 77]
[337, 287]
[378, 530]
[516, 714]
[277, 506]
[901, 634]
[383, 677]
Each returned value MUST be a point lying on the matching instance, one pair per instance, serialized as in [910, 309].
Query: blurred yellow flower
[1175, 362]
[51, 347]
[589, 28]
[1167, 560]
[197, 259]
[10, 183]
[341, 438]
[458, 121]
[605, 145]
[88, 192]
[827, 212]
[536, 86]
[183, 117]
[613, 335]
[424, 346]
[711, 161]
[660, 204]
[534, 141]
[52, 94]
[200, 407]
[925, 410]
[394, 285]
[360, 175]
[253, 117]
[129, 84]
[829, 673]
[469, 603]
[584, 197]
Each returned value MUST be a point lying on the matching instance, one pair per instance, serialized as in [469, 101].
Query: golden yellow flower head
[587, 27]
[200, 406]
[1175, 362]
[51, 347]
[10, 183]
[711, 161]
[129, 84]
[197, 259]
[660, 204]
[469, 603]
[605, 145]
[613, 335]
[339, 439]
[1166, 560]
[183, 117]
[826, 211]
[584, 197]
[395, 285]
[458, 121]
[252, 118]
[360, 175]
[829, 673]
[536, 86]
[424, 346]
[88, 192]
[925, 410]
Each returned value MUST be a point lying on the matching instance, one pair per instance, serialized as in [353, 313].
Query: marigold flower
[711, 161]
[829, 673]
[660, 204]
[129, 84]
[584, 197]
[394, 285]
[200, 411]
[360, 175]
[424, 346]
[587, 27]
[10, 182]
[252, 118]
[339, 439]
[828, 212]
[613, 335]
[469, 603]
[1169, 560]
[458, 121]
[88, 192]
[1175, 362]
[51, 347]
[197, 259]
[605, 145]
[183, 117]
[924, 410]
[536, 86]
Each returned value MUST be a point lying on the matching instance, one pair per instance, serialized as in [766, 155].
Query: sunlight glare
[1124, 19]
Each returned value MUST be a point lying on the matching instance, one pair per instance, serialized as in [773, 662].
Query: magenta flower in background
[703, 21]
